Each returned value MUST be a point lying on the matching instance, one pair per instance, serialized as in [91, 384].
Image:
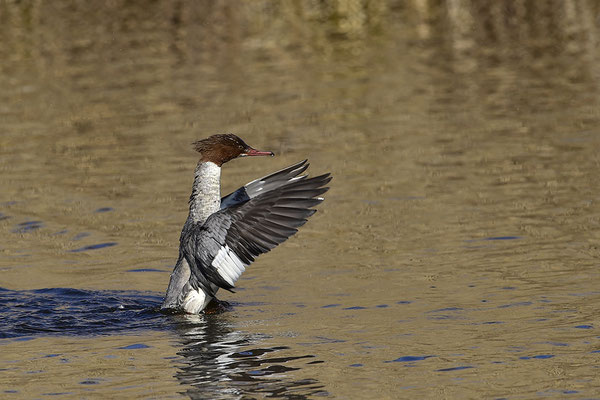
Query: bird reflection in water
[221, 362]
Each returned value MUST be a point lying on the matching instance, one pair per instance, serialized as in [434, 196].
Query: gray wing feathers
[232, 238]
[276, 179]
[202, 247]
[264, 184]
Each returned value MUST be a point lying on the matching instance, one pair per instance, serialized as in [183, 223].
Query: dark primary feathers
[253, 220]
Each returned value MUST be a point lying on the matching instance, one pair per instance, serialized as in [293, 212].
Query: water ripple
[93, 247]
[211, 352]
[66, 311]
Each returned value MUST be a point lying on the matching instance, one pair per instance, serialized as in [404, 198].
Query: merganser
[222, 236]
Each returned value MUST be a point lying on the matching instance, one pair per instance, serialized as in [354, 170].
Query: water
[456, 252]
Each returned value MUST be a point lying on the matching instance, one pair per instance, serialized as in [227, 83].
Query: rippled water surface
[456, 254]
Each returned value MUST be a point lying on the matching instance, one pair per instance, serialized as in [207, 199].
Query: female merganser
[221, 237]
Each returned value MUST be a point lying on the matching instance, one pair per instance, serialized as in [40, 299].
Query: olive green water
[456, 254]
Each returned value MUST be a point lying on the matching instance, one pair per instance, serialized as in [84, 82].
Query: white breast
[206, 192]
[195, 301]
[228, 265]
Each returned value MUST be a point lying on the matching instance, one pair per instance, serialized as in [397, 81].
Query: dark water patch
[355, 308]
[21, 339]
[442, 317]
[3, 216]
[455, 368]
[65, 311]
[493, 238]
[90, 382]
[322, 340]
[552, 392]
[135, 346]
[446, 309]
[517, 304]
[257, 352]
[331, 305]
[538, 357]
[403, 302]
[267, 287]
[146, 270]
[355, 365]
[104, 209]
[367, 346]
[80, 236]
[445, 313]
[28, 226]
[409, 359]
[584, 327]
[585, 294]
[381, 306]
[94, 247]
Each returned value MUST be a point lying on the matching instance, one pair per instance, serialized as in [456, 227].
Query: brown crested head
[225, 147]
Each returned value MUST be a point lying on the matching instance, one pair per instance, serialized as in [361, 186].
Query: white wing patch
[228, 265]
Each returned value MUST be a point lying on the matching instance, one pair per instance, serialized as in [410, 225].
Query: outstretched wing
[264, 184]
[230, 240]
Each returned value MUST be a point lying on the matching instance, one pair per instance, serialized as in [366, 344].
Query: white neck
[206, 192]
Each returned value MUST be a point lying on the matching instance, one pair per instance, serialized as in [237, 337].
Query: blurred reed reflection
[200, 31]
[58, 54]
